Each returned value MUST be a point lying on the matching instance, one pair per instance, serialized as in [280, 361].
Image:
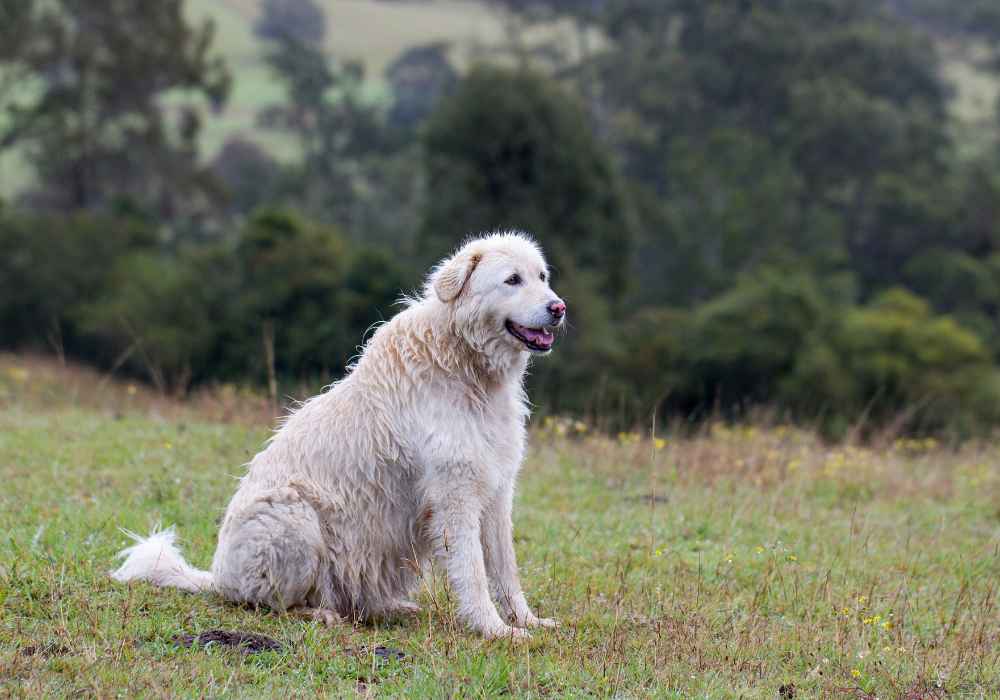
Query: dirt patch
[49, 649]
[245, 642]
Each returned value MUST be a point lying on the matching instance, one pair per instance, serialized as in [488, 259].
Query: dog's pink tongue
[539, 336]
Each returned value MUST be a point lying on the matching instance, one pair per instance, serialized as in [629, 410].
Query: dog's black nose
[557, 309]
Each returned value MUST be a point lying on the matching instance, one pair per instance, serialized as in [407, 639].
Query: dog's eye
[514, 280]
[542, 277]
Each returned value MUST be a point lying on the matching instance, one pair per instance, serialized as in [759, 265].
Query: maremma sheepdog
[412, 456]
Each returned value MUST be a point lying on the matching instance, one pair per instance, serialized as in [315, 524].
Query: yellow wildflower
[19, 374]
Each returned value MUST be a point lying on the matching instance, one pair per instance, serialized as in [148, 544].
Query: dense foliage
[748, 205]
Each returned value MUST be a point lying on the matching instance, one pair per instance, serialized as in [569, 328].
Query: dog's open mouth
[540, 339]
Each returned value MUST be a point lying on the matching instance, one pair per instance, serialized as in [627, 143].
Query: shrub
[157, 317]
[746, 341]
[50, 265]
[895, 361]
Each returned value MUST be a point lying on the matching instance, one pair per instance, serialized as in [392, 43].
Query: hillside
[377, 31]
[373, 31]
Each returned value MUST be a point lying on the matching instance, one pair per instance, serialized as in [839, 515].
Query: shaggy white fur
[413, 455]
[156, 559]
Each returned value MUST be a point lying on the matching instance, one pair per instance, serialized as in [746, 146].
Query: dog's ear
[450, 279]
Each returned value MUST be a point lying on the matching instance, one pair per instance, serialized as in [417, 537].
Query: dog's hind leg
[325, 615]
[271, 552]
[396, 609]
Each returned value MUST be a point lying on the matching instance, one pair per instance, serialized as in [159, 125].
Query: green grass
[765, 559]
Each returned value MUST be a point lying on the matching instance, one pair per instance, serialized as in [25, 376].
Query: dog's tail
[156, 559]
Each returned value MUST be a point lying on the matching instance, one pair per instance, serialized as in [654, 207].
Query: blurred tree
[953, 279]
[15, 17]
[976, 214]
[283, 286]
[249, 175]
[904, 362]
[737, 203]
[837, 105]
[288, 275]
[971, 18]
[512, 150]
[51, 264]
[743, 343]
[93, 121]
[420, 78]
[305, 284]
[158, 316]
[301, 21]
[335, 125]
[966, 287]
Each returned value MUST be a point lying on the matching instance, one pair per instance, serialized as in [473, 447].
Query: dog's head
[497, 288]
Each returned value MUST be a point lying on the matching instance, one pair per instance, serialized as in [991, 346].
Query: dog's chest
[488, 434]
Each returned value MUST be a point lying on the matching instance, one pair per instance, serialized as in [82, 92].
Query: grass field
[743, 562]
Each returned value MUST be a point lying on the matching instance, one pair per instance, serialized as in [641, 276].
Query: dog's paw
[324, 615]
[543, 622]
[531, 620]
[516, 634]
[403, 608]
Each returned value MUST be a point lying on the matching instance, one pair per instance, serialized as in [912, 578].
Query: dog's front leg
[501, 561]
[455, 528]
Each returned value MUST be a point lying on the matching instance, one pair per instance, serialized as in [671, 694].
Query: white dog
[413, 454]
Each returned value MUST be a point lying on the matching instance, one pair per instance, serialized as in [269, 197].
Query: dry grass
[37, 382]
[742, 562]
